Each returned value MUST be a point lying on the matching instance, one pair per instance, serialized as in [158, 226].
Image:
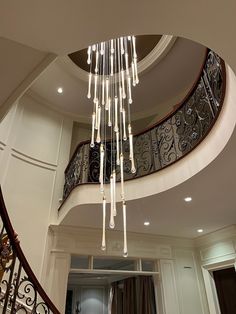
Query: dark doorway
[225, 281]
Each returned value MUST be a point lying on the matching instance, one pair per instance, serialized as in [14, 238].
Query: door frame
[207, 271]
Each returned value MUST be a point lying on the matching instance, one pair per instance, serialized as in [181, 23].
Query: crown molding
[75, 117]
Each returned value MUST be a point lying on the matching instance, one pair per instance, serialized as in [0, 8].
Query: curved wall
[34, 150]
[175, 174]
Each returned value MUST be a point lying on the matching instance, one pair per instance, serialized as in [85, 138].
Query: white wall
[179, 282]
[216, 251]
[20, 65]
[34, 151]
[81, 132]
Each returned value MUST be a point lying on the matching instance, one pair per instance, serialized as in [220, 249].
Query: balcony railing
[165, 142]
[20, 291]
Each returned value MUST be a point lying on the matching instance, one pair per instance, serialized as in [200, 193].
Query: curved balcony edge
[169, 140]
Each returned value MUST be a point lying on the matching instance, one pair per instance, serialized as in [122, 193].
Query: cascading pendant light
[113, 69]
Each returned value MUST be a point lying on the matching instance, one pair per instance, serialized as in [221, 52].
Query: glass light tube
[93, 126]
[112, 46]
[122, 176]
[102, 49]
[116, 129]
[114, 193]
[125, 251]
[96, 66]
[133, 73]
[103, 92]
[107, 92]
[89, 55]
[123, 83]
[101, 168]
[117, 149]
[122, 50]
[127, 63]
[121, 99]
[113, 56]
[109, 112]
[111, 64]
[104, 224]
[95, 87]
[98, 140]
[131, 152]
[124, 127]
[129, 90]
[136, 71]
[96, 114]
[112, 223]
[89, 85]
[133, 169]
[134, 46]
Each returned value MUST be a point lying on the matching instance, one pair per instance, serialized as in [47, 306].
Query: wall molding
[216, 236]
[36, 161]
[32, 162]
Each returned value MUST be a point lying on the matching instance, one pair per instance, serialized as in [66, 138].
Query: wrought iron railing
[165, 142]
[20, 291]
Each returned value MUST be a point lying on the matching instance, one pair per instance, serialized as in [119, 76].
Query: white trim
[112, 272]
[211, 292]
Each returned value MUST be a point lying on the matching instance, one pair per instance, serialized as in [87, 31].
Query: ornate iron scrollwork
[165, 142]
[20, 291]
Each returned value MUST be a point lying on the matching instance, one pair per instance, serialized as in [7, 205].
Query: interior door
[225, 281]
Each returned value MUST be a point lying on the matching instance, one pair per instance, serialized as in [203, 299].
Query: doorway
[225, 282]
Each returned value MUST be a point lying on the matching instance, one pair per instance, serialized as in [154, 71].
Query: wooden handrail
[167, 141]
[166, 117]
[18, 253]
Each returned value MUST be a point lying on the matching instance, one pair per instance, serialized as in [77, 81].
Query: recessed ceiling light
[200, 230]
[60, 90]
[188, 199]
[146, 223]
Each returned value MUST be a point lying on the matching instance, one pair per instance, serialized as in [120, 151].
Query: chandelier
[113, 72]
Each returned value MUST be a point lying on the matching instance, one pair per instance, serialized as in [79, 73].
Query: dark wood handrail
[167, 141]
[20, 255]
[166, 117]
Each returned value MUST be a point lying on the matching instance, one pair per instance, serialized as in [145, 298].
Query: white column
[169, 289]
[59, 271]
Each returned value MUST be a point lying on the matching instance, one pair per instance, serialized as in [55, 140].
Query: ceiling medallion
[113, 72]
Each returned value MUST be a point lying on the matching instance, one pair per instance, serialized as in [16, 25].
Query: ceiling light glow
[146, 223]
[188, 199]
[60, 90]
[200, 230]
[110, 83]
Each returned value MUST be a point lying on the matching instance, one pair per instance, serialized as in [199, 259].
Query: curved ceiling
[144, 45]
[63, 27]
[207, 174]
[160, 88]
[66, 26]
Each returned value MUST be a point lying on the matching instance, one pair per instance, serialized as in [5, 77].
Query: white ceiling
[159, 90]
[213, 205]
[66, 26]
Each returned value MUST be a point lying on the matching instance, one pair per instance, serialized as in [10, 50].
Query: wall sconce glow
[146, 223]
[200, 230]
[188, 199]
[60, 90]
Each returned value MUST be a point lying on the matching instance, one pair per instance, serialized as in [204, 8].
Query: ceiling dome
[144, 45]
